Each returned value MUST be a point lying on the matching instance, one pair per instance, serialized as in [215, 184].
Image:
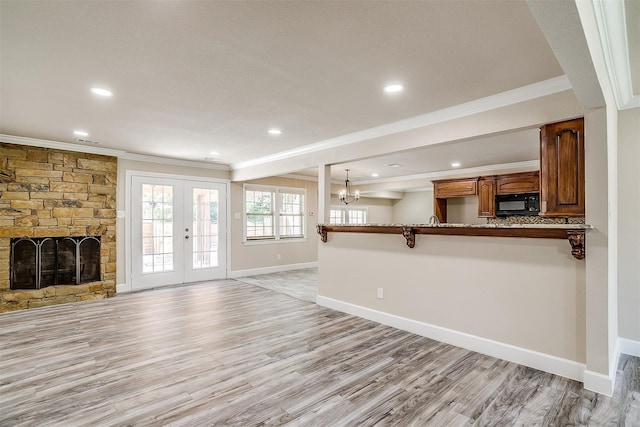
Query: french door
[178, 231]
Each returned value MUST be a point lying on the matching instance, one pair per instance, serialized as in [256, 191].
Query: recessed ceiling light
[101, 91]
[394, 88]
[214, 154]
[455, 164]
[80, 133]
[375, 174]
[394, 165]
[275, 131]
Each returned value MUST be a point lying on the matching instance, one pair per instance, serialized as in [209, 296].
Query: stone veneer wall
[48, 193]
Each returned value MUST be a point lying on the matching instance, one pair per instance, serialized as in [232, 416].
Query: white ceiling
[193, 77]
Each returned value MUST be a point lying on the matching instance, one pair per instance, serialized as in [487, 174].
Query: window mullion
[276, 212]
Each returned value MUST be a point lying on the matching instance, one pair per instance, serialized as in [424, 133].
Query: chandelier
[345, 195]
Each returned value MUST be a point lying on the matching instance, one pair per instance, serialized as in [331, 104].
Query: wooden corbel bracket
[577, 241]
[322, 231]
[409, 234]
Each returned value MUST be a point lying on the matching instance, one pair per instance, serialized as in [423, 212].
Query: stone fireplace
[57, 226]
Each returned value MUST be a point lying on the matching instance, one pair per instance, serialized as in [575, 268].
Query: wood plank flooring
[301, 284]
[232, 354]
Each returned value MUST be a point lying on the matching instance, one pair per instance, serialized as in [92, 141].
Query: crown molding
[300, 177]
[419, 189]
[174, 162]
[452, 173]
[65, 146]
[612, 30]
[511, 97]
[382, 194]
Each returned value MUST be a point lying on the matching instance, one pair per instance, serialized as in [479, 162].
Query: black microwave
[517, 204]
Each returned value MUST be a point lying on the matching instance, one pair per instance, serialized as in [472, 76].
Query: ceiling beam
[527, 114]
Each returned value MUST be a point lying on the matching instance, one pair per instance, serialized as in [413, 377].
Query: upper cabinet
[446, 188]
[513, 183]
[516, 183]
[486, 197]
[562, 169]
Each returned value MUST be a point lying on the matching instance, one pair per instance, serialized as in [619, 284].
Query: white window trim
[276, 220]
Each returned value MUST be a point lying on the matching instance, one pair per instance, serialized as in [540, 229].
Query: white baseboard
[533, 359]
[273, 269]
[600, 383]
[630, 347]
[123, 288]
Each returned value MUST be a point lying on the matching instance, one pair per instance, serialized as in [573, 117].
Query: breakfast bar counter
[574, 233]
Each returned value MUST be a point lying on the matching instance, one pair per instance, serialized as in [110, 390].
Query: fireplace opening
[40, 262]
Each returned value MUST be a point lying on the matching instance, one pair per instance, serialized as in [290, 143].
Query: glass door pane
[205, 230]
[157, 228]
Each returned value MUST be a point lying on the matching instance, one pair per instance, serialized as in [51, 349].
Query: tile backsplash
[523, 219]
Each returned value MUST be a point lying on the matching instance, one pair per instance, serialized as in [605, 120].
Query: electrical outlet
[279, 256]
[380, 293]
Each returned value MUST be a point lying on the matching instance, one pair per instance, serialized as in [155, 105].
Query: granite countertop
[453, 225]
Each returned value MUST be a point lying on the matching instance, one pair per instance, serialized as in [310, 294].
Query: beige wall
[415, 207]
[629, 224]
[248, 256]
[525, 292]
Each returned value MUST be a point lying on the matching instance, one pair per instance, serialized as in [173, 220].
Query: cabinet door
[516, 183]
[486, 198]
[455, 188]
[562, 169]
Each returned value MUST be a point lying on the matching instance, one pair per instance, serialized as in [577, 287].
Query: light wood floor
[230, 353]
[301, 284]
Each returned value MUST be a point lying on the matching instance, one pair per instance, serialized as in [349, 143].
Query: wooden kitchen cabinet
[486, 197]
[446, 188]
[517, 183]
[562, 169]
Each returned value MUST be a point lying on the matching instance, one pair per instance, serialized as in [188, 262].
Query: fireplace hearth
[48, 261]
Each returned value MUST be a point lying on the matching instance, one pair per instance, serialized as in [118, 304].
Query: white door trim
[128, 205]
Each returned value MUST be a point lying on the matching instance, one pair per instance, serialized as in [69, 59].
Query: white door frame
[128, 205]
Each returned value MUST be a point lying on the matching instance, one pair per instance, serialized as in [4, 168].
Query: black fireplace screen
[40, 262]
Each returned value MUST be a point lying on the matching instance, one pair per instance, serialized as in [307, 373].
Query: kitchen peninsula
[521, 297]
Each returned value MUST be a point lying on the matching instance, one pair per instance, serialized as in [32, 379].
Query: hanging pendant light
[345, 195]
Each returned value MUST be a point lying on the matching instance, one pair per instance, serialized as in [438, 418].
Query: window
[273, 213]
[347, 215]
[259, 214]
